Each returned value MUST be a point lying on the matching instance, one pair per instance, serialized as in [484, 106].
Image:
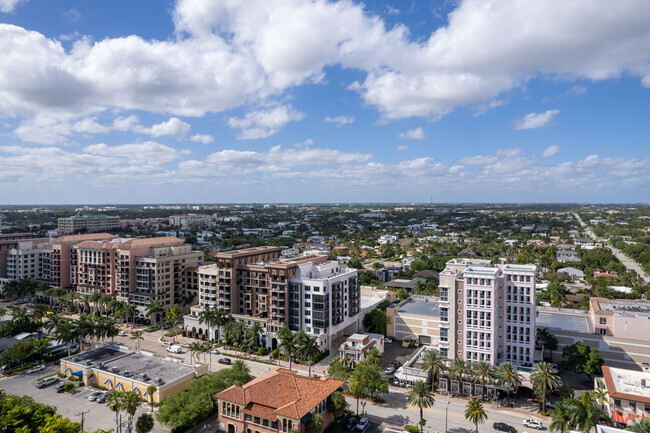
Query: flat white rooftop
[630, 382]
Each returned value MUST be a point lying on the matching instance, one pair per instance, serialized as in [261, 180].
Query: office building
[88, 224]
[190, 221]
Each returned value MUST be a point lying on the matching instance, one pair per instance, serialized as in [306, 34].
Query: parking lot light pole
[363, 407]
[446, 410]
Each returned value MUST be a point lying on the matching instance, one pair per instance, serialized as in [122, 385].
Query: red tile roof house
[276, 402]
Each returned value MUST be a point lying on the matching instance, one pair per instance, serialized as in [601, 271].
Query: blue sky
[324, 101]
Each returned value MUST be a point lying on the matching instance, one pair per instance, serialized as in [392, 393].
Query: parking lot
[96, 415]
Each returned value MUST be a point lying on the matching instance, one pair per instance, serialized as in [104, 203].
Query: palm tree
[172, 318]
[255, 332]
[308, 348]
[357, 389]
[151, 389]
[38, 312]
[188, 299]
[508, 375]
[130, 402]
[114, 403]
[194, 349]
[152, 310]
[422, 397]
[583, 413]
[560, 418]
[287, 343]
[484, 373]
[137, 336]
[95, 297]
[220, 319]
[542, 337]
[544, 378]
[374, 357]
[40, 347]
[475, 413]
[434, 363]
[459, 370]
[640, 425]
[601, 396]
[55, 292]
[240, 365]
[207, 316]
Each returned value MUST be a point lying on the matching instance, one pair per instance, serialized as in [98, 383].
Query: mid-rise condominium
[255, 285]
[88, 224]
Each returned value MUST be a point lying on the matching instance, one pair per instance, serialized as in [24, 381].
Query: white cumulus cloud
[264, 122]
[339, 120]
[7, 6]
[536, 120]
[174, 127]
[551, 150]
[413, 134]
[202, 138]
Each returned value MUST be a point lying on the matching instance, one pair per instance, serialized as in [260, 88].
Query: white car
[390, 369]
[35, 369]
[533, 423]
[215, 352]
[388, 340]
[122, 334]
[166, 344]
[363, 424]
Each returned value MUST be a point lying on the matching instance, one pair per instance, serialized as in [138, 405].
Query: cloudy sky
[324, 101]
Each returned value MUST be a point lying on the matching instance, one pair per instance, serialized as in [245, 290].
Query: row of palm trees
[87, 326]
[298, 344]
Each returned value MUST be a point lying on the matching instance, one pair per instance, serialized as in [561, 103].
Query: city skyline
[291, 101]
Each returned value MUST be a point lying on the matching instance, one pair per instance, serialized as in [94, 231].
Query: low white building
[387, 239]
[355, 349]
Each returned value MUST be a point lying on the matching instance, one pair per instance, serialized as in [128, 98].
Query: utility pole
[81, 414]
[446, 409]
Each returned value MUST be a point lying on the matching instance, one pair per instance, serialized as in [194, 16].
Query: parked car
[501, 426]
[94, 395]
[225, 361]
[186, 345]
[351, 423]
[47, 382]
[390, 369]
[102, 398]
[60, 388]
[363, 424]
[166, 344]
[395, 364]
[533, 423]
[35, 369]
[550, 405]
[122, 334]
[416, 344]
[215, 352]
[388, 340]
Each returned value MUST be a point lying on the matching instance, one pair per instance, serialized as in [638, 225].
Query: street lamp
[363, 407]
[446, 409]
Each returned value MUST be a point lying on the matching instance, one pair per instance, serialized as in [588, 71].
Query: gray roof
[404, 284]
[577, 321]
[420, 308]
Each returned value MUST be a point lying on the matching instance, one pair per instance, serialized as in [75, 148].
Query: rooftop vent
[75, 359]
[114, 369]
[158, 381]
[100, 365]
[127, 373]
[143, 376]
[89, 362]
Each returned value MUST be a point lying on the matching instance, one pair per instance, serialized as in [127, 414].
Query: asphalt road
[628, 262]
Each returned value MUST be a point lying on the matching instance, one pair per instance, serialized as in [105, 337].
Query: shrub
[262, 351]
[69, 386]
[152, 329]
[275, 354]
[412, 429]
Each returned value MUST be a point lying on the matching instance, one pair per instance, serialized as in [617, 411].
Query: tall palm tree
[83, 328]
[194, 350]
[508, 376]
[95, 297]
[255, 332]
[433, 362]
[601, 396]
[130, 402]
[172, 318]
[583, 413]
[287, 343]
[544, 378]
[104, 303]
[207, 316]
[374, 357]
[560, 418]
[137, 336]
[152, 310]
[55, 293]
[308, 349]
[151, 390]
[220, 319]
[542, 337]
[114, 403]
[38, 312]
[475, 413]
[422, 397]
[188, 299]
[484, 372]
[459, 371]
[357, 389]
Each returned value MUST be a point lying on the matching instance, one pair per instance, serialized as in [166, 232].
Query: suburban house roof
[280, 392]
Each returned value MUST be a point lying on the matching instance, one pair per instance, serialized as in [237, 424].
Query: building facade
[190, 221]
[63, 259]
[88, 223]
[30, 259]
[628, 394]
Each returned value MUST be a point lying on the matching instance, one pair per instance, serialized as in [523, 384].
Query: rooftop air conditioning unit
[75, 359]
[89, 362]
[114, 369]
[127, 373]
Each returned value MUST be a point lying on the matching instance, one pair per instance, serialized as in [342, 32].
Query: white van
[175, 349]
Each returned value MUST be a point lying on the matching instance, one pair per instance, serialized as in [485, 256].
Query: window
[602, 331]
[444, 332]
[444, 294]
[603, 320]
[444, 314]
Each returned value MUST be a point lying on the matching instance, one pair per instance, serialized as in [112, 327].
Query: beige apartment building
[63, 259]
[618, 328]
[30, 259]
[416, 318]
[88, 223]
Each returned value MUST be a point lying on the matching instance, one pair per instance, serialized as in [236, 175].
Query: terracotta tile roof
[281, 392]
[86, 237]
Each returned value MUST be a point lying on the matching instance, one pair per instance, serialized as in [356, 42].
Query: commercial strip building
[278, 401]
[618, 328]
[119, 369]
[628, 394]
[304, 293]
[88, 223]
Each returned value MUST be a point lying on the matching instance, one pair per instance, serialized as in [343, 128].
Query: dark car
[395, 364]
[501, 426]
[351, 423]
[225, 361]
[102, 398]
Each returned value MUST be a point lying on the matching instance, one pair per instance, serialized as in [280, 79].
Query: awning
[66, 370]
[145, 394]
[91, 376]
[624, 418]
[118, 384]
[78, 373]
[107, 380]
[134, 389]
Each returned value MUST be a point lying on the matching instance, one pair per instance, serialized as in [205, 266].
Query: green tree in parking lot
[144, 424]
[581, 356]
